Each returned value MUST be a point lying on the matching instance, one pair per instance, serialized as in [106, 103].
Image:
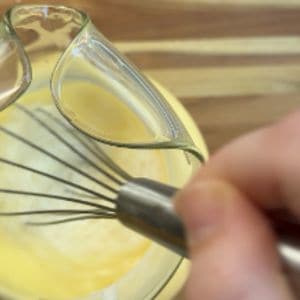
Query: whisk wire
[108, 168]
[54, 212]
[58, 197]
[34, 117]
[56, 178]
[68, 220]
[56, 158]
[99, 154]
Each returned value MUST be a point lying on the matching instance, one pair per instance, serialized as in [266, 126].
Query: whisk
[141, 204]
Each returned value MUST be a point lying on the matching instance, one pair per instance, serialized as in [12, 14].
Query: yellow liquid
[74, 260]
[65, 261]
[101, 114]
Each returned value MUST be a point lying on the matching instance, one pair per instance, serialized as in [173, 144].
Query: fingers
[231, 246]
[265, 165]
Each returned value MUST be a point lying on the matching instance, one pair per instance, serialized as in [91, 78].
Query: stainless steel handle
[146, 206]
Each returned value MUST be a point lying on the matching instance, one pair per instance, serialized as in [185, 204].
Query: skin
[232, 246]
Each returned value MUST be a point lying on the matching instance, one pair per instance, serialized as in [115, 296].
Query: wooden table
[234, 64]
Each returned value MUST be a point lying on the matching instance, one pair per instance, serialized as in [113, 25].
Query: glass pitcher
[88, 57]
[56, 66]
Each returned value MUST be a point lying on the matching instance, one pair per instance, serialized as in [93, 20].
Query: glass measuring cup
[90, 58]
[59, 45]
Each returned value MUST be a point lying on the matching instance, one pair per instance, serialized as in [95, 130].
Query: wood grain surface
[234, 64]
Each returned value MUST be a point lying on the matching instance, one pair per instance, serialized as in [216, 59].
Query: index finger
[264, 165]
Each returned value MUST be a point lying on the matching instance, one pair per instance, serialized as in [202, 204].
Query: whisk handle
[146, 207]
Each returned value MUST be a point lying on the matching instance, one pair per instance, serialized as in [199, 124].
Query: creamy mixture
[72, 260]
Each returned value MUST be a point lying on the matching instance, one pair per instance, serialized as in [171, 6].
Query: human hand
[232, 246]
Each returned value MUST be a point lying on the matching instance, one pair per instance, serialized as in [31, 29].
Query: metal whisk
[141, 204]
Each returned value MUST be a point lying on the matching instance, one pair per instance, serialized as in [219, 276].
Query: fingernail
[202, 206]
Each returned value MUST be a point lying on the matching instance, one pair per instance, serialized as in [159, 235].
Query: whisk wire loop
[108, 169]
[59, 137]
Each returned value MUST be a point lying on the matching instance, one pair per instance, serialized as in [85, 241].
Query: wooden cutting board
[235, 65]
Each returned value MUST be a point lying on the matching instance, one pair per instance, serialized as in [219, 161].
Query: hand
[231, 244]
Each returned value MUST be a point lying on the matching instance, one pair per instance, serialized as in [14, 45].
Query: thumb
[232, 248]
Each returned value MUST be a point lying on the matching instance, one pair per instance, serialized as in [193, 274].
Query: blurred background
[234, 64]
